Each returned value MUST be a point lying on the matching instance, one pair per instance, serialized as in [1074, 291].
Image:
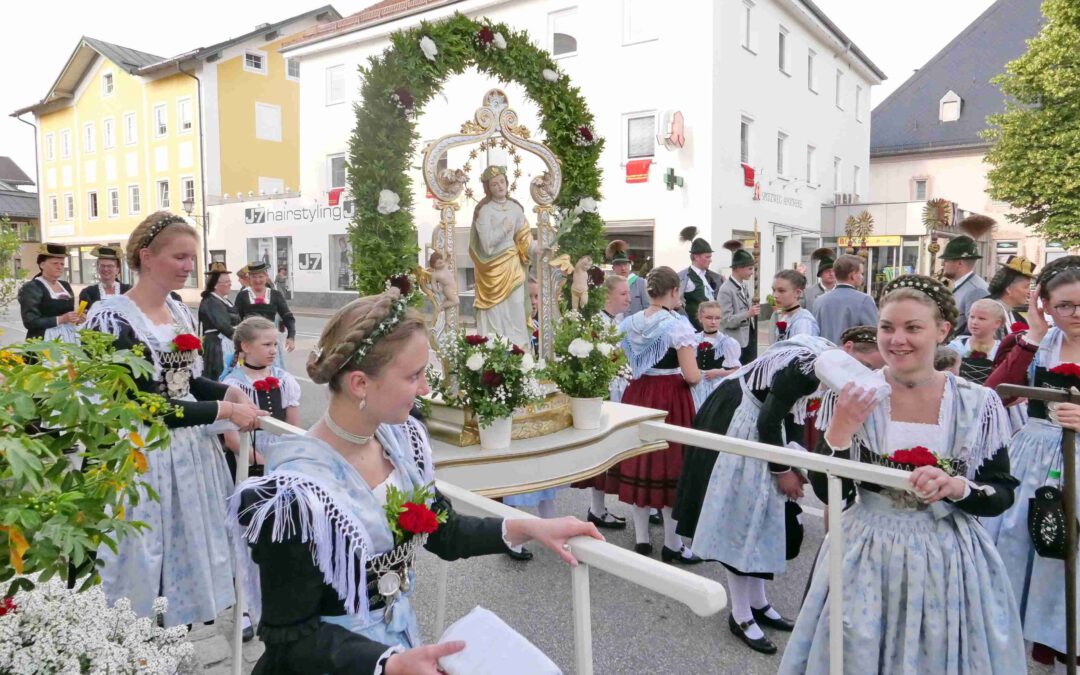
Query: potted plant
[493, 378]
[586, 359]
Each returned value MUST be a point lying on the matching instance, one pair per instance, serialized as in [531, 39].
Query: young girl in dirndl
[791, 318]
[717, 353]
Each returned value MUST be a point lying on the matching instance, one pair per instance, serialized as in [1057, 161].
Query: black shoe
[524, 555]
[762, 644]
[248, 633]
[782, 624]
[609, 521]
[671, 556]
[643, 549]
[656, 518]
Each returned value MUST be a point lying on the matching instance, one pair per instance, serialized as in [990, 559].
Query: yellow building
[123, 133]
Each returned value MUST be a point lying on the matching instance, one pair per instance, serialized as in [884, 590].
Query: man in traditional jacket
[618, 253]
[826, 278]
[699, 283]
[958, 264]
[739, 312]
[108, 269]
[845, 306]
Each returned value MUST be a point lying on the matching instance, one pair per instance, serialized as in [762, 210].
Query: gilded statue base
[457, 426]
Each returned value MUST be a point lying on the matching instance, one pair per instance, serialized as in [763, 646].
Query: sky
[897, 35]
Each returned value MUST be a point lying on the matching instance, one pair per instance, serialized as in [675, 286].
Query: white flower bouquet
[494, 377]
[587, 357]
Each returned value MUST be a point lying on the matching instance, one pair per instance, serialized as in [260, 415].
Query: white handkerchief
[492, 648]
[835, 368]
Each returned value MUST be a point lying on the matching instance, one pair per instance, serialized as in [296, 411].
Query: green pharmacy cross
[671, 180]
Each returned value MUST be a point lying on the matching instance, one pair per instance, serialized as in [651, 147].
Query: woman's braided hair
[1056, 273]
[661, 281]
[150, 234]
[361, 325]
[923, 289]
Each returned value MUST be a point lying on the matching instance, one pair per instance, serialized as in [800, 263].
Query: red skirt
[650, 479]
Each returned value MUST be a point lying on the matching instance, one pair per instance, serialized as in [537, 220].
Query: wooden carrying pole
[1068, 453]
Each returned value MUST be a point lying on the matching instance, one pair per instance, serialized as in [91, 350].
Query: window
[50, 147]
[640, 136]
[836, 171]
[782, 56]
[134, 203]
[187, 189]
[949, 107]
[54, 209]
[108, 133]
[335, 171]
[183, 115]
[920, 189]
[163, 194]
[69, 206]
[563, 28]
[89, 138]
[1050, 256]
[131, 135]
[335, 85]
[114, 202]
[641, 21]
[91, 205]
[1004, 249]
[65, 144]
[855, 184]
[811, 76]
[267, 122]
[292, 69]
[745, 32]
[839, 88]
[107, 84]
[811, 165]
[255, 62]
[781, 154]
[745, 127]
[858, 103]
[161, 120]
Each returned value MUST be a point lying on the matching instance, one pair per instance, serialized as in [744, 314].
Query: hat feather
[688, 233]
[733, 245]
[616, 246]
[822, 254]
[977, 225]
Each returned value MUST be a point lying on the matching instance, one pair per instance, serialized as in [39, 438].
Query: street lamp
[189, 208]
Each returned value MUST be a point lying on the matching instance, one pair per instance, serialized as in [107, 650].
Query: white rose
[475, 362]
[500, 41]
[388, 202]
[587, 205]
[580, 348]
[605, 349]
[550, 75]
[527, 362]
[427, 45]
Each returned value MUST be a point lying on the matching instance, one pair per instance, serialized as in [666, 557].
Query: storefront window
[260, 249]
[341, 258]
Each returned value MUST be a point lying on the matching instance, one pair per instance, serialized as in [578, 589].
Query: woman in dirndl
[924, 590]
[46, 302]
[792, 318]
[1041, 356]
[218, 318]
[259, 299]
[184, 552]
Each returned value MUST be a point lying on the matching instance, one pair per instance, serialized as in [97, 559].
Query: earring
[363, 404]
[240, 360]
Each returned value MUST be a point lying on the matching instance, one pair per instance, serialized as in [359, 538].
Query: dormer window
[949, 107]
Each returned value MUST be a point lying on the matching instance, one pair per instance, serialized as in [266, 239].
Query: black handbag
[793, 528]
[1046, 522]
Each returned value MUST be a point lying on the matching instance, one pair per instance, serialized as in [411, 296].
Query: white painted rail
[702, 596]
[835, 469]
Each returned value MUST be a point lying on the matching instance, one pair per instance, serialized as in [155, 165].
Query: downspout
[202, 178]
[37, 174]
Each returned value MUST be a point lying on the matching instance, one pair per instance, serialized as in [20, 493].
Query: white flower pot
[496, 436]
[586, 412]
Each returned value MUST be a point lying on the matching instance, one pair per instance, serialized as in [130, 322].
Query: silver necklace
[341, 433]
[911, 385]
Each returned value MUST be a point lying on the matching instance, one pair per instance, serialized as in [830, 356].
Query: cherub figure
[442, 281]
[579, 286]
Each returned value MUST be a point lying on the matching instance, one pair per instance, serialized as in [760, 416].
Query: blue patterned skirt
[923, 594]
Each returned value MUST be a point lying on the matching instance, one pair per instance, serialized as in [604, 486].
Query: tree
[10, 274]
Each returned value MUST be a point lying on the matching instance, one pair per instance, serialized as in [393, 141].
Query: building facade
[19, 207]
[771, 98]
[124, 133]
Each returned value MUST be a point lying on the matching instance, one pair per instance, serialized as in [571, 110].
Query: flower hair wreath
[156, 229]
[932, 288]
[397, 312]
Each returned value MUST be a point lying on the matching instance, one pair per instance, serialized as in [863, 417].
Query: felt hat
[740, 257]
[257, 267]
[218, 267]
[825, 258]
[1021, 265]
[697, 244]
[52, 251]
[961, 248]
[617, 252]
[107, 253]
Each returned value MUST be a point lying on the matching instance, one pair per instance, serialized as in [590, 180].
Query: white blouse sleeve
[682, 334]
[732, 352]
[290, 391]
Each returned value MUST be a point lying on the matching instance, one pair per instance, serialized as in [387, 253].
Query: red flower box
[186, 342]
[418, 519]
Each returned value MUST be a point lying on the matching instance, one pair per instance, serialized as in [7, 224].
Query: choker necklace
[788, 310]
[712, 333]
[256, 368]
[911, 385]
[341, 433]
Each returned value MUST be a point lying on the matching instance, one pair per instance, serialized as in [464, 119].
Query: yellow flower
[140, 461]
[137, 440]
[18, 544]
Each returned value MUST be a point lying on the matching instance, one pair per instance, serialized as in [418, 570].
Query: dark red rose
[1067, 369]
[402, 283]
[517, 351]
[7, 606]
[475, 340]
[585, 133]
[486, 36]
[781, 326]
[596, 276]
[491, 379]
[186, 342]
[403, 98]
[813, 405]
[418, 519]
[1018, 327]
[917, 456]
[704, 346]
[975, 354]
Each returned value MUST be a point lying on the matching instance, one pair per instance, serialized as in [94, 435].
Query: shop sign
[260, 215]
[882, 240]
[776, 198]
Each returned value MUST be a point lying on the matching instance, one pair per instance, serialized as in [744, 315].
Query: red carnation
[7, 606]
[917, 456]
[418, 519]
[704, 346]
[1067, 369]
[491, 379]
[781, 326]
[1018, 327]
[486, 36]
[813, 405]
[475, 340]
[402, 283]
[977, 355]
[272, 382]
[517, 351]
[186, 342]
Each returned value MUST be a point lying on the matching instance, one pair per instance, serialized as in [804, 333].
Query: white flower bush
[605, 349]
[587, 356]
[475, 362]
[550, 75]
[493, 376]
[389, 201]
[580, 348]
[500, 41]
[427, 45]
[53, 629]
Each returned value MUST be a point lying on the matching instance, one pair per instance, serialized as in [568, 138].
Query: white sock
[598, 507]
[546, 508]
[758, 599]
[246, 623]
[739, 590]
[671, 539]
[652, 511]
[641, 524]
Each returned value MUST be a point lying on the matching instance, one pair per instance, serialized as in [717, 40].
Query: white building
[771, 84]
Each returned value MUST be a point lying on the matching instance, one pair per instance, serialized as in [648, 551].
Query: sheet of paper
[492, 648]
[835, 368]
